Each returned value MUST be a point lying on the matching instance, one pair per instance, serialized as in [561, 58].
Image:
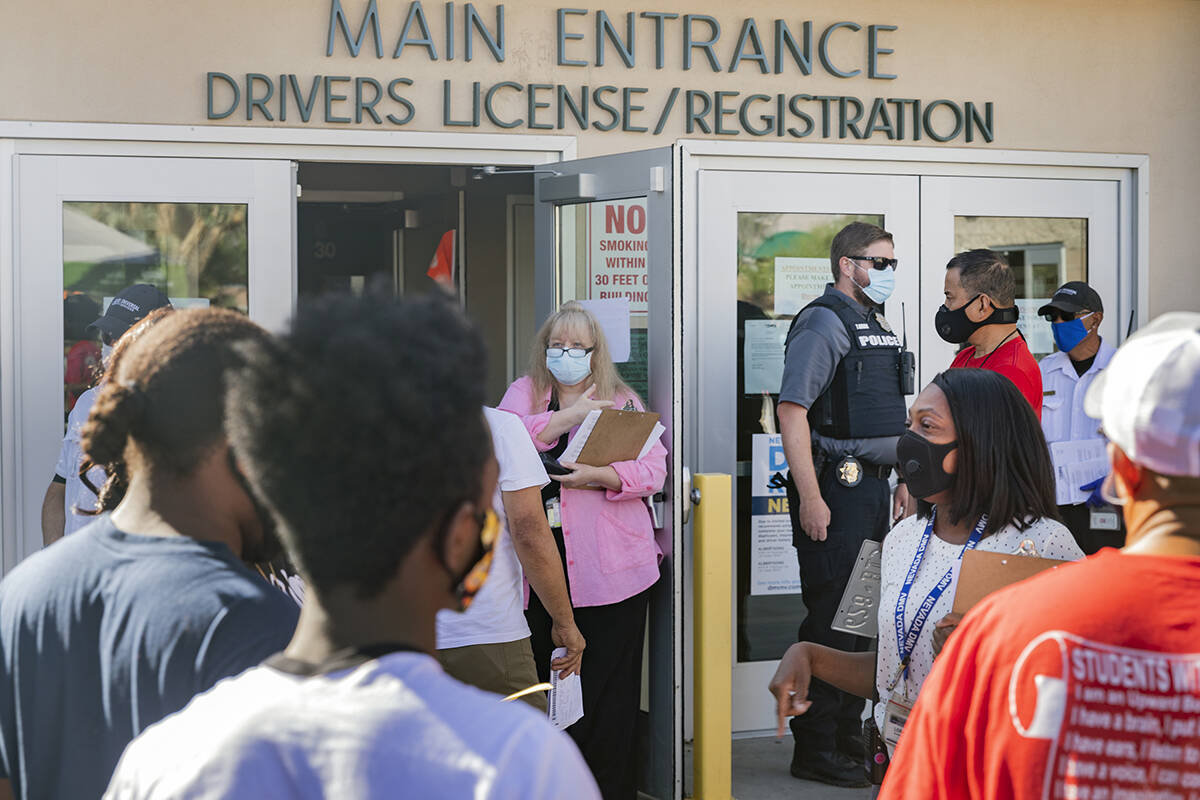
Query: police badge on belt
[849, 472]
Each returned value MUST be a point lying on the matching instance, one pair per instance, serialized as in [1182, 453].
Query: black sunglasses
[877, 262]
[1058, 315]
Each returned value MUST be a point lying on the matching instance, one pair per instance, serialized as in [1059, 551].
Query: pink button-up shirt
[609, 538]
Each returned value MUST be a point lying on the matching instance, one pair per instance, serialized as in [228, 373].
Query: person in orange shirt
[981, 311]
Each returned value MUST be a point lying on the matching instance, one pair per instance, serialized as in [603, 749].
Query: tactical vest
[864, 400]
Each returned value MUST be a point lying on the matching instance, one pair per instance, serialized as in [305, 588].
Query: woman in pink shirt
[604, 534]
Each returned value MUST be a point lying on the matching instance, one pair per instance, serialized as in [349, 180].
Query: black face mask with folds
[955, 327]
[920, 462]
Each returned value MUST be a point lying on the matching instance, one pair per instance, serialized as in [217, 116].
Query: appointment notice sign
[775, 55]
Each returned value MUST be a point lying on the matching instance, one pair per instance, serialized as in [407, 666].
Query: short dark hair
[360, 429]
[1004, 467]
[986, 272]
[852, 240]
[163, 395]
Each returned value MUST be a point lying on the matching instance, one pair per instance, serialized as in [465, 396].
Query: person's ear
[461, 542]
[950, 462]
[1127, 475]
[980, 308]
[1095, 320]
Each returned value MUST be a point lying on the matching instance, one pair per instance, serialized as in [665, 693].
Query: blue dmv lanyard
[906, 643]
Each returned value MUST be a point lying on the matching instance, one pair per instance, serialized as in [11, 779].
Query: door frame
[640, 174]
[1130, 171]
[19, 138]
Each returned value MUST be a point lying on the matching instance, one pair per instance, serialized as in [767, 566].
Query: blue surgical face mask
[883, 281]
[569, 371]
[1068, 335]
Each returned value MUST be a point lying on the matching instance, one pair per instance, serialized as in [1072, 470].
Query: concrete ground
[760, 772]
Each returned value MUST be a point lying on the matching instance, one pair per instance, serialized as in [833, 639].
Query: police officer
[1075, 313]
[841, 411]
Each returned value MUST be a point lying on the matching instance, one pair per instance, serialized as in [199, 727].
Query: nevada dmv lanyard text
[908, 642]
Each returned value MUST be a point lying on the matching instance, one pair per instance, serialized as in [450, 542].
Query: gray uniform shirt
[816, 345]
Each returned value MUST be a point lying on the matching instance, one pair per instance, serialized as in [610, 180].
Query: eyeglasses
[489, 531]
[877, 262]
[573, 352]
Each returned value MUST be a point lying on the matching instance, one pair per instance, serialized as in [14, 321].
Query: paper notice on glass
[798, 281]
[1075, 464]
[566, 695]
[613, 316]
[1037, 332]
[763, 354]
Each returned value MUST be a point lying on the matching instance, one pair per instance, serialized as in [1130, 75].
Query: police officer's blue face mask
[883, 282]
[567, 370]
[1068, 334]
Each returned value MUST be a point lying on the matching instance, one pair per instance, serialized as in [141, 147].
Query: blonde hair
[571, 316]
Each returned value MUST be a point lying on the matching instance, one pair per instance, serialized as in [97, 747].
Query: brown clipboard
[983, 573]
[618, 435]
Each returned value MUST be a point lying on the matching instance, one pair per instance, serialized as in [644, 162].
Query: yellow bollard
[712, 577]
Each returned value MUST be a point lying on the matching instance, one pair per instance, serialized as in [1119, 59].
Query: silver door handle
[691, 496]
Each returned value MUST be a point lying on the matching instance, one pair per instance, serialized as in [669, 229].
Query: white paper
[1037, 332]
[1077, 463]
[799, 281]
[658, 431]
[763, 354]
[566, 695]
[571, 454]
[613, 316]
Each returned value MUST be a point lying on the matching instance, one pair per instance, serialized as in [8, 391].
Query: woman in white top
[975, 456]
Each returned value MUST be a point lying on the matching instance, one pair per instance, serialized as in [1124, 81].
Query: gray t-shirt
[105, 633]
[816, 345]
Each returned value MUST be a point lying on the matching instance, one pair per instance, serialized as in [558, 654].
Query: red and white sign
[616, 247]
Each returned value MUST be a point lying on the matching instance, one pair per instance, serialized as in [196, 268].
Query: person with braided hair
[107, 631]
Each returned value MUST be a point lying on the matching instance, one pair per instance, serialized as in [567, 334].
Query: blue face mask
[1068, 335]
[569, 371]
[883, 282]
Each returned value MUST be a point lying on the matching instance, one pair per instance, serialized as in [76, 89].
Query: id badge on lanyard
[894, 716]
[899, 705]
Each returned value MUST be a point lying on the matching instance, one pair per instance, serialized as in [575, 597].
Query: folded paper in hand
[566, 695]
[610, 435]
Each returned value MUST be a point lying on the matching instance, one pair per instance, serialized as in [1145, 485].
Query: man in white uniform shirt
[488, 644]
[1075, 313]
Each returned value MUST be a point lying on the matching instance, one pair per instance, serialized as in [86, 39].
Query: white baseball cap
[1148, 399]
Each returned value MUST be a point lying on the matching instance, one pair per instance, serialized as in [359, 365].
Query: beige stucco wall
[1082, 75]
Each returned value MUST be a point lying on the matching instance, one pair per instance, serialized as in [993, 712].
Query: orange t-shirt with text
[1081, 682]
[1012, 360]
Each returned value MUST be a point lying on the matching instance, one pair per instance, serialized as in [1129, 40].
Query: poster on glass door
[616, 253]
[773, 565]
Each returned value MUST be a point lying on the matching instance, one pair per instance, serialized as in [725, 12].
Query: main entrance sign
[776, 50]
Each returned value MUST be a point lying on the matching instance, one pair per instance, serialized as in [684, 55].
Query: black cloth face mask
[955, 327]
[920, 462]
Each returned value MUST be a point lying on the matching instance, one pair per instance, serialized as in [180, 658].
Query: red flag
[441, 268]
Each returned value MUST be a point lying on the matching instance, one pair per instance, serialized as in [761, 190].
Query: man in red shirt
[980, 309]
[1084, 681]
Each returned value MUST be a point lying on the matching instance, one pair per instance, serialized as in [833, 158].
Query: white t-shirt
[497, 613]
[1050, 539]
[396, 726]
[70, 458]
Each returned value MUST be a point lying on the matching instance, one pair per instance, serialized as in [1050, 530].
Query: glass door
[603, 231]
[1052, 231]
[206, 232]
[763, 253]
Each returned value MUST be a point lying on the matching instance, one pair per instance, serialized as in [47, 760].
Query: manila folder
[618, 435]
[983, 573]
